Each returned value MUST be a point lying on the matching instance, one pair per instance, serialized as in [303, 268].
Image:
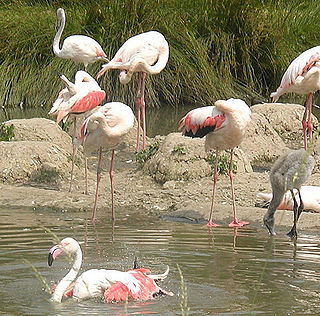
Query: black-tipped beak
[50, 259]
[60, 74]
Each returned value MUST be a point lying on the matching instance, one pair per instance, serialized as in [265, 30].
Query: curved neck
[70, 276]
[61, 23]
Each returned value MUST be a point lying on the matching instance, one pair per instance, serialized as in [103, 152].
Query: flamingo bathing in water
[289, 172]
[79, 48]
[302, 77]
[145, 53]
[77, 98]
[224, 126]
[113, 285]
[105, 128]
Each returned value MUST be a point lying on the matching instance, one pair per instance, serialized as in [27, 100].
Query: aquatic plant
[223, 48]
[145, 154]
[6, 132]
[183, 294]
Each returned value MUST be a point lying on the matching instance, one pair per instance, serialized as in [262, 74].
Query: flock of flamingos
[223, 126]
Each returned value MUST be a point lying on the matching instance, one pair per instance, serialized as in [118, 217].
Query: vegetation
[224, 48]
[179, 150]
[223, 163]
[145, 154]
[6, 132]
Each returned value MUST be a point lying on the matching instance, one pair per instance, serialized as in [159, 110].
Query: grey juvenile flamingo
[289, 172]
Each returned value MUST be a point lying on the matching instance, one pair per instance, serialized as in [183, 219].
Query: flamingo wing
[147, 288]
[201, 121]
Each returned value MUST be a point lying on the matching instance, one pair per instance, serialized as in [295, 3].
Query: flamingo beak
[53, 253]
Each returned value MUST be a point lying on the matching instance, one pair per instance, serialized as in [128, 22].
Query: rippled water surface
[222, 271]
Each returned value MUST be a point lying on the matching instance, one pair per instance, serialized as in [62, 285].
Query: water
[224, 271]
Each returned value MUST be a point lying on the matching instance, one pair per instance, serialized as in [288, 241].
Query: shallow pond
[223, 271]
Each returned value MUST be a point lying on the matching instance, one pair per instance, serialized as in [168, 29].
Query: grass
[223, 49]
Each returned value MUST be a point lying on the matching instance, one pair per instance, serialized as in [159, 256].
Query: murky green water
[224, 271]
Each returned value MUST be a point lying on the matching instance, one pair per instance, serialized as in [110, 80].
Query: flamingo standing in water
[79, 48]
[113, 285]
[224, 126]
[289, 172]
[302, 77]
[105, 128]
[77, 98]
[145, 53]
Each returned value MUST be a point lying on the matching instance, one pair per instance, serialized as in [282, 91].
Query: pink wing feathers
[87, 103]
[201, 121]
[298, 67]
[147, 288]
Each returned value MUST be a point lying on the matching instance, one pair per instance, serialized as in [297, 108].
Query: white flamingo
[113, 285]
[302, 77]
[77, 98]
[145, 53]
[105, 128]
[79, 48]
[224, 126]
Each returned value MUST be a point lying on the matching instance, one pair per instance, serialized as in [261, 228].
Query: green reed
[218, 49]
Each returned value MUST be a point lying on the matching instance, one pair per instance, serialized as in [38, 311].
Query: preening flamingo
[302, 77]
[145, 53]
[113, 285]
[79, 48]
[77, 98]
[224, 126]
[289, 172]
[105, 128]
[310, 195]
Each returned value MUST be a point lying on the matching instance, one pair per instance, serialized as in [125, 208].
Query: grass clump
[6, 132]
[223, 49]
[145, 154]
[178, 150]
[223, 163]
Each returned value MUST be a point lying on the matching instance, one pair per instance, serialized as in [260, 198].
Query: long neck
[125, 76]
[56, 40]
[67, 280]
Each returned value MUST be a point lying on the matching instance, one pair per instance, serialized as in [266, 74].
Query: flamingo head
[269, 222]
[67, 245]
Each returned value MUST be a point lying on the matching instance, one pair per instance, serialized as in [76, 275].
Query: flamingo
[302, 77]
[289, 172]
[310, 195]
[105, 128]
[224, 126]
[113, 285]
[79, 48]
[77, 98]
[145, 53]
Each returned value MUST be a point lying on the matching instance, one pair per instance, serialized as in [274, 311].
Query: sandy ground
[175, 184]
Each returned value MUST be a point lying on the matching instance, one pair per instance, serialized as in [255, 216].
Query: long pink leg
[93, 217]
[215, 177]
[143, 110]
[86, 191]
[138, 101]
[74, 149]
[111, 184]
[235, 222]
[306, 121]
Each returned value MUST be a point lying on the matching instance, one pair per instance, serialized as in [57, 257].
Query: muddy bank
[175, 183]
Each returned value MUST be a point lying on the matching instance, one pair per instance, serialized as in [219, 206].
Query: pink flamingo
[302, 77]
[77, 98]
[224, 126]
[310, 196]
[79, 48]
[113, 285]
[105, 128]
[145, 53]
